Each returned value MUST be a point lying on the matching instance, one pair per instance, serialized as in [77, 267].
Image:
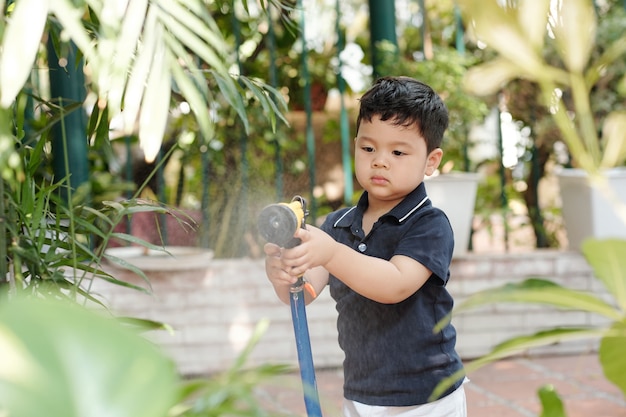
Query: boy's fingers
[271, 249]
[302, 234]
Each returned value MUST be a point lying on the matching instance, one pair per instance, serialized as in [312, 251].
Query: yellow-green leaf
[20, 44]
[533, 19]
[606, 257]
[139, 73]
[499, 27]
[520, 344]
[550, 402]
[156, 103]
[614, 139]
[125, 48]
[575, 31]
[612, 358]
[196, 102]
[489, 78]
[545, 292]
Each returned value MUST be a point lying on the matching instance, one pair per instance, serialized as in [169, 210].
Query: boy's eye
[368, 149]
[398, 153]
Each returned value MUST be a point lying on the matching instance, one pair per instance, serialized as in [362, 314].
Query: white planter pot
[586, 212]
[455, 194]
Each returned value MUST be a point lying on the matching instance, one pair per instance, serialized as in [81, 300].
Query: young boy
[386, 261]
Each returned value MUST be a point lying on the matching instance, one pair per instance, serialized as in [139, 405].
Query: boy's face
[391, 160]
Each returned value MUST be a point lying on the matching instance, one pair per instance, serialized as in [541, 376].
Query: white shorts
[452, 405]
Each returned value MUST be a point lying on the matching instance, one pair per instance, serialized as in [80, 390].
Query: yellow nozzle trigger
[297, 209]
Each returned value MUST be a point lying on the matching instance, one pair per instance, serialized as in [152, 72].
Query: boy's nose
[380, 162]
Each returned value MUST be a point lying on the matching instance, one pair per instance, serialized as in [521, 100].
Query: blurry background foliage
[235, 158]
[429, 50]
[52, 223]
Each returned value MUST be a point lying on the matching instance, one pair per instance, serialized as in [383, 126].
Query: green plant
[59, 358]
[231, 392]
[518, 32]
[63, 360]
[54, 247]
[164, 51]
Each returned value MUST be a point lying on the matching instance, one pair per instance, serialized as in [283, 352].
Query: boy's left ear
[433, 161]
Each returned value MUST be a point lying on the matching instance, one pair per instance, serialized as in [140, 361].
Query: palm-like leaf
[137, 52]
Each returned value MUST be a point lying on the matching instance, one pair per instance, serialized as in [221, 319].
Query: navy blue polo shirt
[392, 356]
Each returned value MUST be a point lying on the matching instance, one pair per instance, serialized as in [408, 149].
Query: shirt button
[362, 247]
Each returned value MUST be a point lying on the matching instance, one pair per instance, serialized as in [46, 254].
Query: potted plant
[590, 202]
[587, 211]
[518, 34]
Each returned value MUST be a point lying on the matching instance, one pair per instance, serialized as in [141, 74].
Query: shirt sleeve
[430, 241]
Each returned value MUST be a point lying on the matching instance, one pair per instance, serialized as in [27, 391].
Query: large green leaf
[518, 345]
[60, 360]
[538, 291]
[612, 357]
[606, 257]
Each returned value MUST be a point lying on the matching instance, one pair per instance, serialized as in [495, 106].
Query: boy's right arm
[282, 281]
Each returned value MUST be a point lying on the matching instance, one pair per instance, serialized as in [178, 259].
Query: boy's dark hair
[406, 101]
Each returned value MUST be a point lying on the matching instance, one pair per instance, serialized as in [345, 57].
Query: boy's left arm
[377, 279]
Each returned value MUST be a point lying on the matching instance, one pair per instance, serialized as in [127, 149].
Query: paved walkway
[507, 388]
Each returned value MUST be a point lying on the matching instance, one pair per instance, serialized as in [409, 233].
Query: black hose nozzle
[278, 223]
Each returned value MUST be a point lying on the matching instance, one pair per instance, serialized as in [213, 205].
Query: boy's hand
[275, 268]
[315, 249]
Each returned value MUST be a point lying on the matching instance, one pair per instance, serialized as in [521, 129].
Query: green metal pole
[343, 117]
[271, 44]
[422, 14]
[69, 140]
[310, 135]
[382, 28]
[460, 31]
[243, 203]
[206, 178]
[243, 139]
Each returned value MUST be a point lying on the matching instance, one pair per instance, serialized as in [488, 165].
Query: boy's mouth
[379, 180]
